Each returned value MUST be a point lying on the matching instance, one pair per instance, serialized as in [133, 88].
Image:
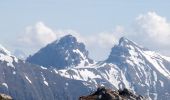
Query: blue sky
[86, 17]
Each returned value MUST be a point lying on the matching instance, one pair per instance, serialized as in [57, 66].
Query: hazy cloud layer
[38, 35]
[153, 31]
[153, 27]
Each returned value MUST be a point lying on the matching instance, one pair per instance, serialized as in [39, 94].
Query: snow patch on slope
[43, 68]
[79, 74]
[5, 84]
[106, 73]
[28, 79]
[83, 60]
[44, 80]
[80, 53]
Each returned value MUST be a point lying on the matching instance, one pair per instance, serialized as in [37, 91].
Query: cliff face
[106, 94]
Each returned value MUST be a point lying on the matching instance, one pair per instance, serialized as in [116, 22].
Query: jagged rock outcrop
[5, 97]
[107, 94]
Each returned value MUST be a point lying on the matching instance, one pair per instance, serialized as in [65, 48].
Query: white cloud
[38, 35]
[152, 31]
[102, 40]
[100, 44]
[105, 39]
[154, 28]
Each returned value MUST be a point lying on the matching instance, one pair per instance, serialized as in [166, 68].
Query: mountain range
[62, 70]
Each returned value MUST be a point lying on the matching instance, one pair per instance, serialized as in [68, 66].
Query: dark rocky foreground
[106, 94]
[5, 97]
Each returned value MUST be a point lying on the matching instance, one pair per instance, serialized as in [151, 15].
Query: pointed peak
[4, 50]
[67, 41]
[124, 41]
[62, 53]
[123, 49]
[67, 38]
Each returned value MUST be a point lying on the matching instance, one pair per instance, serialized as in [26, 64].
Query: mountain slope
[25, 81]
[130, 66]
[129, 52]
[62, 53]
[147, 71]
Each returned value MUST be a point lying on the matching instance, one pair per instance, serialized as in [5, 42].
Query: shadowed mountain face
[62, 53]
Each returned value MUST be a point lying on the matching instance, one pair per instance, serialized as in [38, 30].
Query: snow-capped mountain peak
[124, 49]
[4, 51]
[5, 56]
[131, 54]
[64, 52]
[124, 42]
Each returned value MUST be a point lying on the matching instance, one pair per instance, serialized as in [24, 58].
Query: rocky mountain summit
[107, 94]
[62, 53]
